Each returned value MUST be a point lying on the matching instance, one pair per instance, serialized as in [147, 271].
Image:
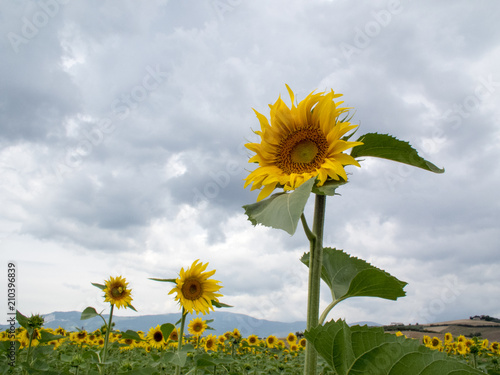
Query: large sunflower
[116, 292]
[195, 290]
[300, 143]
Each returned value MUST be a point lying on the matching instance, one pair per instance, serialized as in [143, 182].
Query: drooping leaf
[388, 147]
[369, 350]
[89, 313]
[131, 307]
[281, 210]
[328, 188]
[348, 276]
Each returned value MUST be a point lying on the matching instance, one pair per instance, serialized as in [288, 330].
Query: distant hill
[223, 322]
[486, 329]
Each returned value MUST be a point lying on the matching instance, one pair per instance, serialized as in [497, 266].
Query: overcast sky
[122, 127]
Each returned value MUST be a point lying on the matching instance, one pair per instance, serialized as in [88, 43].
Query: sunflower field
[62, 352]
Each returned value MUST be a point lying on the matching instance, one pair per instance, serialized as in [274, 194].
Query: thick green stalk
[179, 343]
[108, 329]
[315, 264]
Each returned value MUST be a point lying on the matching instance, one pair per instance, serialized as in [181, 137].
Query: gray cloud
[122, 131]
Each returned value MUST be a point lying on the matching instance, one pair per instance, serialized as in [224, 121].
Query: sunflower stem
[106, 338]
[325, 312]
[315, 264]
[179, 343]
[310, 235]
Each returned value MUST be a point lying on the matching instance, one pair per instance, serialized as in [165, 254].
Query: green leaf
[328, 187]
[349, 276]
[88, 313]
[166, 329]
[129, 334]
[179, 357]
[388, 147]
[219, 304]
[100, 286]
[47, 336]
[164, 280]
[369, 350]
[22, 320]
[131, 307]
[281, 210]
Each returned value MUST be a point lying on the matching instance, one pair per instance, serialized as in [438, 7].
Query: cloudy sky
[122, 132]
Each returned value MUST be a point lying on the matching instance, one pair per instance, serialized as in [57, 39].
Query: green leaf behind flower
[89, 313]
[388, 147]
[282, 210]
[369, 350]
[348, 276]
[219, 304]
[328, 187]
[166, 329]
[22, 320]
[164, 280]
[100, 286]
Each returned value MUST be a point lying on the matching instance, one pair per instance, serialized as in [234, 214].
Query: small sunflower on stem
[195, 290]
[197, 326]
[117, 293]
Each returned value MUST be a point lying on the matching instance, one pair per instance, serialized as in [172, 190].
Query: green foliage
[388, 147]
[100, 286]
[22, 320]
[166, 329]
[89, 313]
[328, 188]
[369, 350]
[349, 276]
[163, 280]
[281, 210]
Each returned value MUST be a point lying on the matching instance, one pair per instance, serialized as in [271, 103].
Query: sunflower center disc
[304, 152]
[191, 289]
[158, 336]
[117, 291]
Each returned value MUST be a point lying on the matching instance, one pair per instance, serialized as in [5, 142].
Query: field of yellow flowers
[62, 352]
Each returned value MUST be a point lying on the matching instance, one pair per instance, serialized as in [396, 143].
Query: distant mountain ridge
[223, 322]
